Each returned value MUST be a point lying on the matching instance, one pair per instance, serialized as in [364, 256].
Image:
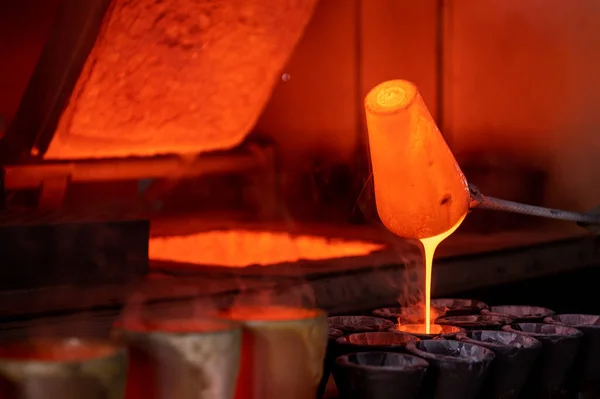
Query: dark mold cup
[350, 325]
[437, 331]
[559, 349]
[407, 314]
[391, 313]
[476, 322]
[354, 324]
[585, 378]
[515, 356]
[457, 370]
[379, 375]
[385, 341]
[521, 314]
[330, 356]
[459, 307]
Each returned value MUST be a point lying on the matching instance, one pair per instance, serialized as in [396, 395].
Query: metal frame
[70, 42]
[340, 289]
[52, 178]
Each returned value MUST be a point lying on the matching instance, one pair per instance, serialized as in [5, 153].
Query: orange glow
[420, 191]
[429, 246]
[174, 326]
[178, 76]
[419, 188]
[420, 328]
[283, 350]
[241, 248]
[159, 344]
[67, 350]
[268, 313]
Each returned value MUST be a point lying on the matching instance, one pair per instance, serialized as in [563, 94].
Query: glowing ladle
[420, 191]
[419, 188]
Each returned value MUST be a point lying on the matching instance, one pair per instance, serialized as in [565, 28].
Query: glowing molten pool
[242, 248]
[420, 328]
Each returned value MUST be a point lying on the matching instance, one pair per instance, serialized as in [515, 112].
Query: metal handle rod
[478, 200]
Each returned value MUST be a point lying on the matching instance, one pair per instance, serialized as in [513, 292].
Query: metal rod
[33, 175]
[478, 200]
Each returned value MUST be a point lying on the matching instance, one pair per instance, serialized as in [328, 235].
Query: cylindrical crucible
[354, 324]
[515, 356]
[477, 322]
[559, 349]
[458, 306]
[386, 341]
[283, 351]
[73, 368]
[189, 358]
[521, 314]
[330, 356]
[584, 380]
[436, 330]
[408, 314]
[379, 375]
[457, 369]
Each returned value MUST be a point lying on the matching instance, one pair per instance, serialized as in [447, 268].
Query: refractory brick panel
[178, 76]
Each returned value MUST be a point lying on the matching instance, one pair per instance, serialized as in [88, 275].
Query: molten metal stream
[429, 246]
[420, 191]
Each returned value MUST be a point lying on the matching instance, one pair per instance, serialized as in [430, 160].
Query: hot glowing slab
[178, 76]
[242, 248]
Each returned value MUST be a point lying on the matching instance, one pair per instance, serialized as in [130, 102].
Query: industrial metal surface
[49, 249]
